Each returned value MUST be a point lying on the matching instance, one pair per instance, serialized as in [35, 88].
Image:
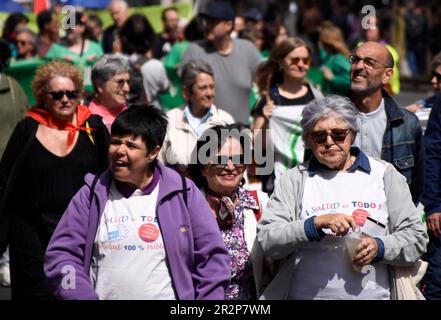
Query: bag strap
[257, 212]
[92, 188]
[184, 186]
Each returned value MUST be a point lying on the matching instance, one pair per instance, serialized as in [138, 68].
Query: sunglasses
[436, 75]
[337, 135]
[295, 61]
[370, 63]
[22, 42]
[58, 95]
[221, 161]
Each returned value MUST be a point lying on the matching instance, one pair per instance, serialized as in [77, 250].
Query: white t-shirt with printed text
[129, 259]
[324, 270]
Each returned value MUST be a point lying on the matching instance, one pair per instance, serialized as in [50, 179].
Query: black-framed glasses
[370, 63]
[58, 95]
[337, 135]
[436, 75]
[221, 161]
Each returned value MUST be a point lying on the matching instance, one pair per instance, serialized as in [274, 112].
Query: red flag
[40, 5]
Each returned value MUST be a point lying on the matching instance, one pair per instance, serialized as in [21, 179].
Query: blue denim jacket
[403, 145]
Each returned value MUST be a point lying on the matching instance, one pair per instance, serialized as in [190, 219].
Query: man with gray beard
[387, 131]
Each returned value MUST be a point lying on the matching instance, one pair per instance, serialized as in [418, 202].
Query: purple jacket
[197, 258]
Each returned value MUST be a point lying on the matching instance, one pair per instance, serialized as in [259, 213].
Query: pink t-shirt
[108, 115]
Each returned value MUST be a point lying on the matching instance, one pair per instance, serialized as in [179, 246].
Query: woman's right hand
[338, 223]
[267, 110]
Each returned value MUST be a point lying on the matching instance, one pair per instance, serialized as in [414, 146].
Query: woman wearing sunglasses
[219, 173]
[42, 168]
[284, 93]
[322, 202]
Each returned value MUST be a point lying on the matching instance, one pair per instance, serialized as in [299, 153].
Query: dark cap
[253, 14]
[220, 11]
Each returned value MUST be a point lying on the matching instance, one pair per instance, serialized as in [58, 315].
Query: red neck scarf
[43, 117]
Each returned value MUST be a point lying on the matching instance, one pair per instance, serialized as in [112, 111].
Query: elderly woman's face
[203, 92]
[296, 63]
[330, 140]
[114, 91]
[223, 178]
[61, 98]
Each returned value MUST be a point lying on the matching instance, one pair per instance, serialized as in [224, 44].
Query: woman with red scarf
[42, 168]
[220, 176]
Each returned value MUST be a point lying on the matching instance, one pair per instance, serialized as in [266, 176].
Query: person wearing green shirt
[335, 64]
[77, 49]
[172, 61]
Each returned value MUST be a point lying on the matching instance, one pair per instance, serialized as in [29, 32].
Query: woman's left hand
[366, 251]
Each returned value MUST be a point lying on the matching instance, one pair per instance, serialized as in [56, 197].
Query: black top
[280, 100]
[48, 182]
[161, 47]
[36, 187]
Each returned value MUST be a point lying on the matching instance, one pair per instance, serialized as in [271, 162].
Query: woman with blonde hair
[335, 64]
[42, 168]
[284, 92]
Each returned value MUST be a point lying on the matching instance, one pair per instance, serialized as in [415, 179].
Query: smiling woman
[220, 175]
[110, 79]
[186, 124]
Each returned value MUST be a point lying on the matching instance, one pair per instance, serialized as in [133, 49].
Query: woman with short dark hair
[139, 230]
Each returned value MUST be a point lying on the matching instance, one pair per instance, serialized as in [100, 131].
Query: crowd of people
[139, 167]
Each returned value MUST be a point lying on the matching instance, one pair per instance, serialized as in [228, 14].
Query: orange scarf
[43, 117]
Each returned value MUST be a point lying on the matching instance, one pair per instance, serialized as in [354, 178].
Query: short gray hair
[331, 106]
[191, 70]
[106, 67]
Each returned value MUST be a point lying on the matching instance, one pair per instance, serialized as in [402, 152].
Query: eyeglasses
[295, 61]
[369, 63]
[120, 83]
[436, 75]
[58, 95]
[338, 135]
[221, 161]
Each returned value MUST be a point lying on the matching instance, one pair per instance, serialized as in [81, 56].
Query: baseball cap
[220, 11]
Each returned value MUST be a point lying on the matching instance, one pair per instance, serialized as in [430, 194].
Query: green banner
[23, 71]
[153, 14]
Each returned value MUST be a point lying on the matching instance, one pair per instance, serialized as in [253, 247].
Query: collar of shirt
[374, 113]
[247, 200]
[196, 124]
[127, 190]
[361, 162]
